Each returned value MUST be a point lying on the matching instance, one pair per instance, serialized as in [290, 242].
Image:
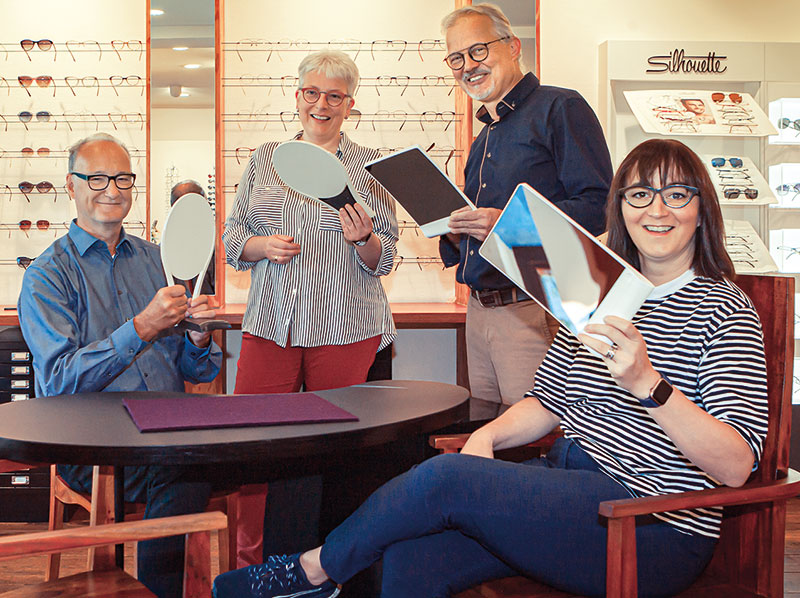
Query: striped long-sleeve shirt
[705, 338]
[326, 295]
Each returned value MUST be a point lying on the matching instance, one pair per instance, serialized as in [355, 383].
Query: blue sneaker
[280, 577]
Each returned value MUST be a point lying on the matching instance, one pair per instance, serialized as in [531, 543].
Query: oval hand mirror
[187, 241]
[315, 172]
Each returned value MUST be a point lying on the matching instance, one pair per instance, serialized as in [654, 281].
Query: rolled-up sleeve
[237, 228]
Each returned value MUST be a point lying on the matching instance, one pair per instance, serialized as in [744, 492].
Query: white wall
[571, 31]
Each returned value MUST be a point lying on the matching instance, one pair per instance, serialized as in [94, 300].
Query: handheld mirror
[315, 172]
[187, 244]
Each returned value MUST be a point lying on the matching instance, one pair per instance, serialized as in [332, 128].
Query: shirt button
[483, 186]
[489, 155]
[472, 252]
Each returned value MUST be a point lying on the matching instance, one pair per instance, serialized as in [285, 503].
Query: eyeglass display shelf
[741, 178]
[747, 250]
[785, 113]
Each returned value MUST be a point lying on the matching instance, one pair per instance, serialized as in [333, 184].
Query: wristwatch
[363, 241]
[659, 394]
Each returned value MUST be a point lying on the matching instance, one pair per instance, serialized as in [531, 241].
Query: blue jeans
[165, 491]
[457, 520]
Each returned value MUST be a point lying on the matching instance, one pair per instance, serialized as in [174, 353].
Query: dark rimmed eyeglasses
[130, 80]
[24, 261]
[42, 44]
[99, 182]
[42, 187]
[720, 162]
[477, 52]
[333, 98]
[673, 196]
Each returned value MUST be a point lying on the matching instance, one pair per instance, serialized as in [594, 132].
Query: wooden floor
[31, 570]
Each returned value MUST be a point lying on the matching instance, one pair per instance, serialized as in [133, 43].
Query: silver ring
[612, 350]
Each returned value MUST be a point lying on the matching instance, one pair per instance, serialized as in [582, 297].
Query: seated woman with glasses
[316, 311]
[673, 400]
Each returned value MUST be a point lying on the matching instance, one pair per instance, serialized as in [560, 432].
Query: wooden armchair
[108, 581]
[100, 506]
[748, 560]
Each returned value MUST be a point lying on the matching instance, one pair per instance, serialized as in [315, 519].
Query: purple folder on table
[232, 411]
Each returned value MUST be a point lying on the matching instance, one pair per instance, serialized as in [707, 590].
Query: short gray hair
[500, 23]
[333, 64]
[75, 148]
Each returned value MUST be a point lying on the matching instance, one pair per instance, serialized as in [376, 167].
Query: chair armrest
[452, 443]
[755, 492]
[113, 533]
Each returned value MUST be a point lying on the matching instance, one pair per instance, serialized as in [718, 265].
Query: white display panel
[76, 76]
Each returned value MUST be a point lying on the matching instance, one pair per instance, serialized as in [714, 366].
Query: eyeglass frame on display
[83, 43]
[38, 44]
[42, 81]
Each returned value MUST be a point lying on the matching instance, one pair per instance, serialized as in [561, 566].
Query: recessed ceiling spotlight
[191, 66]
[180, 48]
[156, 12]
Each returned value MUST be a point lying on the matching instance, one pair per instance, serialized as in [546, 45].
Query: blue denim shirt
[76, 312]
[548, 137]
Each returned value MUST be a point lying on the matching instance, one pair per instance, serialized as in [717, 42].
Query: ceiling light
[156, 12]
[191, 66]
[180, 48]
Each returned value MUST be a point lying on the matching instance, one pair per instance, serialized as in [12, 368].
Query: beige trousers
[505, 346]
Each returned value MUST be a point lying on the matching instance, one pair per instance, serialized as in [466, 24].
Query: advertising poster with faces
[738, 181]
[698, 112]
[63, 77]
[406, 97]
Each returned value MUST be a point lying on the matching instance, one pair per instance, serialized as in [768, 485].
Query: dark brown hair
[673, 162]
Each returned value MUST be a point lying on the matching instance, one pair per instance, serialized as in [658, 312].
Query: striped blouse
[326, 295]
[704, 336]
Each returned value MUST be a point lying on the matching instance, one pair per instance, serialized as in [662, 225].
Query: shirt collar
[344, 143]
[84, 240]
[526, 86]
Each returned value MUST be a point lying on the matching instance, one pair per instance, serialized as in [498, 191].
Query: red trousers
[266, 367]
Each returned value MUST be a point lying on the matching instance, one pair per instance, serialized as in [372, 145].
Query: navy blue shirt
[76, 311]
[548, 137]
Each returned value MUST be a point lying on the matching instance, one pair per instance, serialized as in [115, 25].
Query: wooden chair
[748, 560]
[100, 506]
[105, 580]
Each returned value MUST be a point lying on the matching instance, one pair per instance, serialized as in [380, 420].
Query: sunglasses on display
[788, 123]
[786, 189]
[99, 182]
[28, 152]
[42, 81]
[720, 162]
[25, 225]
[41, 187]
[42, 116]
[333, 98]
[749, 193]
[43, 44]
[718, 97]
[673, 196]
[477, 52]
[24, 261]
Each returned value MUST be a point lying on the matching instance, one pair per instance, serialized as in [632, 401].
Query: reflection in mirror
[182, 101]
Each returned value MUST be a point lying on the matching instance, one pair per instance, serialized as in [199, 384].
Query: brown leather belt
[498, 298]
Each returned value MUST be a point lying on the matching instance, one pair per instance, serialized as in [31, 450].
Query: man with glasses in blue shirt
[545, 136]
[93, 309]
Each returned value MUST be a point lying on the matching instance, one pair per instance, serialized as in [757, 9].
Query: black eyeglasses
[333, 98]
[673, 196]
[99, 182]
[477, 52]
[25, 117]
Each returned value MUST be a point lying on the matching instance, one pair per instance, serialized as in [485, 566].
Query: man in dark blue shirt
[548, 137]
[92, 309]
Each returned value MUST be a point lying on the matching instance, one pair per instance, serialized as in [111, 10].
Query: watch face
[662, 392]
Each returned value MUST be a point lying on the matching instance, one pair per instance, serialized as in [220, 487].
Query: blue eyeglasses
[673, 196]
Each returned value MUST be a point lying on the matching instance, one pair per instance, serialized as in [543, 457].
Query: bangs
[667, 168]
